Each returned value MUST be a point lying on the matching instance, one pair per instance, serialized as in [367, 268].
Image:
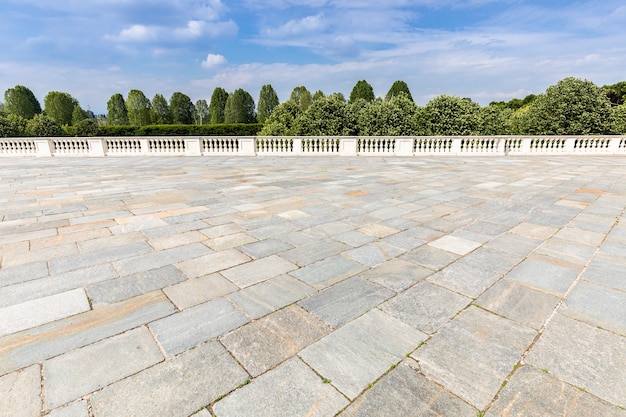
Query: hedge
[250, 129]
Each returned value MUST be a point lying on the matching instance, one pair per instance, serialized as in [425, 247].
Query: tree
[571, 107]
[619, 119]
[318, 94]
[117, 113]
[397, 88]
[181, 108]
[327, 116]
[495, 120]
[42, 125]
[78, 114]
[268, 100]
[239, 108]
[138, 108]
[86, 127]
[452, 116]
[396, 117]
[282, 120]
[302, 97]
[615, 92]
[217, 105]
[362, 89]
[20, 101]
[201, 113]
[160, 111]
[60, 106]
[12, 125]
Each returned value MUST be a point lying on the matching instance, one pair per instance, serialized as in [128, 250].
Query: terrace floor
[265, 286]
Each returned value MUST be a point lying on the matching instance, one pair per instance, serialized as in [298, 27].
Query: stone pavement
[276, 286]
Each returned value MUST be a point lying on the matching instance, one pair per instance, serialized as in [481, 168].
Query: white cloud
[213, 60]
[136, 33]
[305, 25]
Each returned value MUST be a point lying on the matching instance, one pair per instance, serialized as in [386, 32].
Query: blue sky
[483, 49]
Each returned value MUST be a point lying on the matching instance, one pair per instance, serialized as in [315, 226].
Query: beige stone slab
[230, 241]
[39, 254]
[178, 239]
[196, 291]
[213, 262]
[378, 230]
[64, 239]
[20, 393]
[454, 244]
[110, 241]
[534, 231]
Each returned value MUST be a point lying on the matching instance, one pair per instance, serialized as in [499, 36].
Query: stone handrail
[314, 145]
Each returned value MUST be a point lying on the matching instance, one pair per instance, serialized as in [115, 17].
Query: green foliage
[21, 101]
[42, 125]
[327, 116]
[221, 129]
[117, 112]
[571, 107]
[515, 103]
[78, 114]
[396, 117]
[362, 90]
[397, 88]
[160, 111]
[239, 108]
[452, 115]
[12, 125]
[268, 100]
[138, 108]
[201, 112]
[86, 127]
[302, 97]
[615, 92]
[495, 120]
[60, 106]
[181, 108]
[218, 105]
[318, 94]
[619, 119]
[282, 120]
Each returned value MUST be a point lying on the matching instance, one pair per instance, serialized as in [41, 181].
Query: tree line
[571, 107]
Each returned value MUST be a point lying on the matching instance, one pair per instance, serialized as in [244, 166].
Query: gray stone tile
[425, 306]
[313, 252]
[213, 262]
[44, 310]
[566, 251]
[177, 387]
[77, 409]
[258, 271]
[79, 372]
[430, 257]
[265, 248]
[397, 274]
[265, 343]
[597, 305]
[346, 300]
[354, 238]
[607, 273]
[370, 255]
[268, 296]
[328, 271]
[160, 259]
[407, 239]
[473, 354]
[196, 291]
[583, 356]
[85, 260]
[543, 275]
[23, 273]
[195, 325]
[291, 390]
[20, 393]
[532, 392]
[158, 232]
[613, 248]
[362, 351]
[514, 244]
[465, 279]
[534, 231]
[455, 244]
[119, 289]
[405, 392]
[580, 236]
[44, 342]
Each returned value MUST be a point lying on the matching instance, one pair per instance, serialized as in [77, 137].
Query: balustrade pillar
[404, 147]
[192, 147]
[43, 147]
[97, 147]
[247, 146]
[347, 146]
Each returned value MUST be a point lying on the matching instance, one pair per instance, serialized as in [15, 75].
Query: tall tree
[452, 115]
[327, 116]
[60, 106]
[117, 113]
[160, 111]
[21, 101]
[302, 97]
[318, 94]
[398, 87]
[268, 100]
[12, 125]
[182, 108]
[282, 120]
[138, 108]
[78, 114]
[396, 117]
[42, 125]
[616, 92]
[362, 90]
[239, 108]
[217, 105]
[201, 112]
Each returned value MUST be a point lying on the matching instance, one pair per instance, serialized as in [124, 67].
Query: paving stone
[465, 279]
[354, 238]
[455, 244]
[160, 259]
[34, 313]
[85, 260]
[258, 271]
[180, 239]
[430, 257]
[123, 288]
[425, 306]
[543, 275]
[77, 409]
[597, 305]
[397, 274]
[606, 273]
[378, 230]
[532, 392]
[196, 291]
[473, 354]
[195, 325]
[580, 236]
[534, 231]
[362, 351]
[158, 232]
[221, 230]
[265, 343]
[49, 340]
[370, 255]
[177, 387]
[312, 252]
[268, 296]
[584, 356]
[566, 251]
[109, 241]
[20, 393]
[514, 244]
[405, 392]
[208, 264]
[346, 300]
[328, 271]
[79, 372]
[23, 273]
[230, 241]
[290, 390]
[264, 248]
[21, 237]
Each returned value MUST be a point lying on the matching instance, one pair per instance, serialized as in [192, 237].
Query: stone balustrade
[318, 145]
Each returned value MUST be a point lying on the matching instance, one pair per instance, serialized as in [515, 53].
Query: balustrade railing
[318, 145]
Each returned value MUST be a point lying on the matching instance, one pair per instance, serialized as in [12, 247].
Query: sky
[487, 50]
